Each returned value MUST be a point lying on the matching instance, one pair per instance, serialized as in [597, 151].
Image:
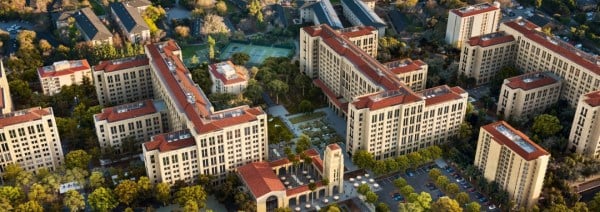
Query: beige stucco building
[137, 121]
[30, 139]
[228, 78]
[63, 73]
[470, 21]
[585, 129]
[123, 80]
[201, 140]
[412, 72]
[6, 104]
[485, 55]
[528, 95]
[508, 157]
[272, 186]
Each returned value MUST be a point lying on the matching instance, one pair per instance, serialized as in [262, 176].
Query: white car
[492, 207]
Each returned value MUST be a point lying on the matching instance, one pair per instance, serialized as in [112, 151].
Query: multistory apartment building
[132, 122]
[63, 73]
[6, 104]
[470, 21]
[320, 12]
[91, 28]
[201, 140]
[412, 72]
[538, 51]
[228, 78]
[123, 80]
[485, 55]
[585, 129]
[508, 157]
[528, 95]
[30, 139]
[385, 116]
[365, 37]
[359, 13]
[130, 21]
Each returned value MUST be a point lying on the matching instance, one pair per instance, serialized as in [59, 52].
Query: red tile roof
[593, 98]
[503, 140]
[120, 64]
[75, 66]
[329, 93]
[260, 178]
[529, 31]
[405, 65]
[474, 9]
[531, 80]
[333, 146]
[386, 98]
[301, 189]
[22, 116]
[441, 94]
[490, 39]
[318, 163]
[240, 76]
[126, 111]
[170, 141]
[357, 31]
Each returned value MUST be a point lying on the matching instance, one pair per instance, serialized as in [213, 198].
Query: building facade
[412, 72]
[508, 157]
[6, 105]
[30, 139]
[133, 122]
[528, 95]
[63, 73]
[482, 57]
[91, 28]
[584, 137]
[200, 140]
[228, 78]
[122, 81]
[470, 21]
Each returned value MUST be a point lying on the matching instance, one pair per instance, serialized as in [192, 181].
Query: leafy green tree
[126, 191]
[30, 206]
[465, 131]
[391, 165]
[240, 58]
[302, 144]
[211, 47]
[11, 171]
[221, 7]
[190, 206]
[363, 189]
[434, 174]
[504, 73]
[74, 201]
[253, 91]
[278, 87]
[462, 198]
[415, 159]
[5, 204]
[363, 159]
[191, 193]
[421, 201]
[407, 190]
[580, 207]
[77, 158]
[76, 174]
[306, 106]
[452, 189]
[445, 204]
[403, 163]
[38, 193]
[594, 204]
[371, 197]
[379, 167]
[96, 180]
[102, 199]
[400, 182]
[12, 193]
[442, 181]
[538, 3]
[382, 207]
[473, 207]
[254, 7]
[163, 192]
[546, 125]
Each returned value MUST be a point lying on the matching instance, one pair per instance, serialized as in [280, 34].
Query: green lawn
[189, 51]
[307, 117]
[97, 8]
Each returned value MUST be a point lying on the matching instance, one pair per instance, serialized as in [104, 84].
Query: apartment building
[392, 123]
[201, 140]
[133, 122]
[470, 21]
[585, 130]
[63, 73]
[6, 104]
[359, 13]
[228, 78]
[538, 51]
[91, 28]
[320, 12]
[508, 157]
[30, 139]
[130, 21]
[123, 80]
[485, 55]
[412, 72]
[364, 37]
[528, 95]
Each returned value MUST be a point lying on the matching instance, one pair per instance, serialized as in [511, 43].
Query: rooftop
[64, 67]
[260, 178]
[532, 80]
[365, 15]
[441, 94]
[170, 141]
[593, 98]
[474, 9]
[491, 39]
[130, 110]
[120, 64]
[25, 115]
[405, 65]
[91, 25]
[386, 98]
[518, 142]
[326, 14]
[357, 31]
[227, 72]
[130, 17]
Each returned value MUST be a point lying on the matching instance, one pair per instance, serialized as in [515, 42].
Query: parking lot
[419, 180]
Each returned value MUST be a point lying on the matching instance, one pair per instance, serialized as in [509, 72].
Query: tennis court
[257, 53]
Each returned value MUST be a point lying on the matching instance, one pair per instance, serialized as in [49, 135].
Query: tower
[6, 105]
[333, 169]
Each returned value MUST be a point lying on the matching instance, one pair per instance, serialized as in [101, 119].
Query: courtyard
[257, 53]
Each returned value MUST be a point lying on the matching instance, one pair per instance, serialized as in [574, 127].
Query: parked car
[492, 207]
[460, 179]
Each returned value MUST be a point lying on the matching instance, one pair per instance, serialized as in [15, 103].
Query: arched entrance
[336, 189]
[272, 203]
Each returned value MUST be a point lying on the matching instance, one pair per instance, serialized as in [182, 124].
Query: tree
[12, 193]
[363, 189]
[191, 193]
[254, 7]
[253, 91]
[30, 206]
[211, 47]
[240, 58]
[213, 24]
[278, 87]
[163, 192]
[465, 131]
[126, 191]
[302, 144]
[363, 159]
[462, 198]
[403, 163]
[102, 199]
[379, 167]
[45, 46]
[221, 7]
[371, 197]
[190, 206]
[504, 73]
[452, 189]
[5, 204]
[434, 174]
[421, 201]
[182, 31]
[538, 4]
[77, 158]
[415, 159]
[391, 165]
[96, 180]
[306, 106]
[473, 207]
[546, 125]
[407, 190]
[11, 171]
[74, 201]
[382, 207]
[442, 181]
[445, 204]
[37, 193]
[400, 182]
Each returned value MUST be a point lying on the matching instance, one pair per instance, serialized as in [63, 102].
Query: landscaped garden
[307, 117]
